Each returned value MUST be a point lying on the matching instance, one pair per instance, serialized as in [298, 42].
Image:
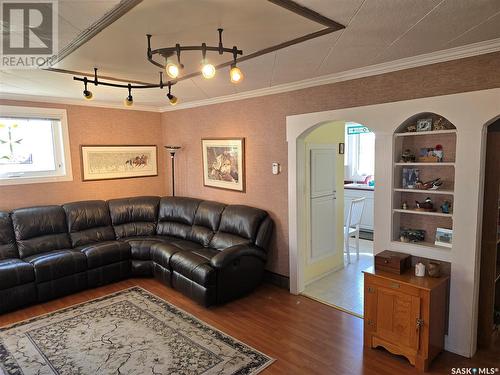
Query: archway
[468, 112]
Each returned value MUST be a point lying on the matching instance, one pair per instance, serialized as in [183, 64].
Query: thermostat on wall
[276, 168]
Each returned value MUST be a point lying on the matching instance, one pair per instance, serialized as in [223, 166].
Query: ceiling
[377, 31]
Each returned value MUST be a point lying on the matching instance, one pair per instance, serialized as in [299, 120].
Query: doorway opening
[339, 183]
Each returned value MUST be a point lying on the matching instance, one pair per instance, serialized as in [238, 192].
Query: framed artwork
[114, 162]
[424, 125]
[444, 237]
[224, 163]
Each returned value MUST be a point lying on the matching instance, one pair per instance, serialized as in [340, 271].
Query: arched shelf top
[425, 122]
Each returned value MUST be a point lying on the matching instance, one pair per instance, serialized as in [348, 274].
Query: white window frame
[62, 151]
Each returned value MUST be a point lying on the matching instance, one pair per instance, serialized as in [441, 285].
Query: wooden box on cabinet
[405, 314]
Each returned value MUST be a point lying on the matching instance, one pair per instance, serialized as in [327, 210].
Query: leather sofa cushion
[140, 247]
[208, 215]
[176, 216]
[8, 247]
[40, 229]
[135, 216]
[194, 267]
[14, 272]
[221, 240]
[88, 222]
[243, 221]
[161, 253]
[185, 244]
[200, 235]
[56, 264]
[206, 253]
[104, 253]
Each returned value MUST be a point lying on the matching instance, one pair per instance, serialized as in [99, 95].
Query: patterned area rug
[129, 332]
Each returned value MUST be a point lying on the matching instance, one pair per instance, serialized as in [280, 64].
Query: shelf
[448, 131]
[419, 191]
[442, 164]
[423, 244]
[415, 212]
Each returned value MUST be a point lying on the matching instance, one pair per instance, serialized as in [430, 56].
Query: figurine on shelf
[427, 205]
[404, 206]
[412, 128]
[412, 235]
[429, 185]
[439, 124]
[438, 153]
[407, 156]
[446, 207]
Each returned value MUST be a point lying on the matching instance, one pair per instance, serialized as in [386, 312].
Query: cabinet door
[398, 315]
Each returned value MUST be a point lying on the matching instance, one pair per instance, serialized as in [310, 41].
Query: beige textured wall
[92, 125]
[262, 122]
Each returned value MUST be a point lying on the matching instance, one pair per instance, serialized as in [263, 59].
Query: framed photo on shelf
[115, 162]
[444, 237]
[410, 178]
[424, 125]
[224, 163]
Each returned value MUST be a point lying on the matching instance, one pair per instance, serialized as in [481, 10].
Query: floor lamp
[172, 150]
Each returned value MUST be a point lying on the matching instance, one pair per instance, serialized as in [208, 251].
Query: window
[34, 145]
[359, 158]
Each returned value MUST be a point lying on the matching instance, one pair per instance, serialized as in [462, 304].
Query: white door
[322, 200]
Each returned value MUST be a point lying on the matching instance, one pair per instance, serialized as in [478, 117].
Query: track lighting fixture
[129, 101]
[171, 98]
[172, 68]
[86, 93]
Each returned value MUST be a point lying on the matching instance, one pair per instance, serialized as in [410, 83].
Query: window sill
[34, 180]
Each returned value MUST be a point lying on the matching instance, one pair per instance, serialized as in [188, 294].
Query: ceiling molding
[80, 102]
[456, 53]
[122, 8]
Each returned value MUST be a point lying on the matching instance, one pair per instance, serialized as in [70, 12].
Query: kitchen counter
[359, 187]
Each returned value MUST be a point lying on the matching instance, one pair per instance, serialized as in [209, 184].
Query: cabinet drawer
[375, 281]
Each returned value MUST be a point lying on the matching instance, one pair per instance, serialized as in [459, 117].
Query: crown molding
[455, 53]
[79, 102]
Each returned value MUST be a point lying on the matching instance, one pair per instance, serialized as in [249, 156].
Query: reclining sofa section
[209, 251]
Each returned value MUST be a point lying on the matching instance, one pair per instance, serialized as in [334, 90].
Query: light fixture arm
[98, 82]
[177, 49]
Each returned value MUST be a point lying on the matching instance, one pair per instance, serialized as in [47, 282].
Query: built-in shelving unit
[410, 217]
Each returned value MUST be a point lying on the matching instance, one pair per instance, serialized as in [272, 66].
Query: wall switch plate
[276, 168]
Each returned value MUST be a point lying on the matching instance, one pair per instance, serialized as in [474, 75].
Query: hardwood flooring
[304, 336]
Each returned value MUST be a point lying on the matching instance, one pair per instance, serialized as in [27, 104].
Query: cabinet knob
[371, 289]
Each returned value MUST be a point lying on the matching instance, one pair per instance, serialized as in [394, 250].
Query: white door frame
[469, 112]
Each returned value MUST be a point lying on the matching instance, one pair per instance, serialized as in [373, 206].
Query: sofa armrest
[230, 254]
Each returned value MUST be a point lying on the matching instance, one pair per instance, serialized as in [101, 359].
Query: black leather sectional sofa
[209, 251]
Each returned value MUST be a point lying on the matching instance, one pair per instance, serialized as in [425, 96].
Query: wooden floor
[304, 336]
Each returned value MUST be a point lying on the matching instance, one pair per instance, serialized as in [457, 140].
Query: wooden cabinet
[405, 314]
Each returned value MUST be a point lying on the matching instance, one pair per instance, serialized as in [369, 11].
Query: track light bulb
[236, 74]
[172, 70]
[129, 101]
[88, 95]
[172, 99]
[208, 71]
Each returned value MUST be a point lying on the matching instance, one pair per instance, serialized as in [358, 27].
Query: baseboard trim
[276, 279]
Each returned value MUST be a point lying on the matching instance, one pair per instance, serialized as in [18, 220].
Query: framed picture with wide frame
[110, 162]
[224, 163]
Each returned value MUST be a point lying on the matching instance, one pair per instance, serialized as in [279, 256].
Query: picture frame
[224, 163]
[410, 177]
[424, 125]
[112, 162]
[444, 237]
